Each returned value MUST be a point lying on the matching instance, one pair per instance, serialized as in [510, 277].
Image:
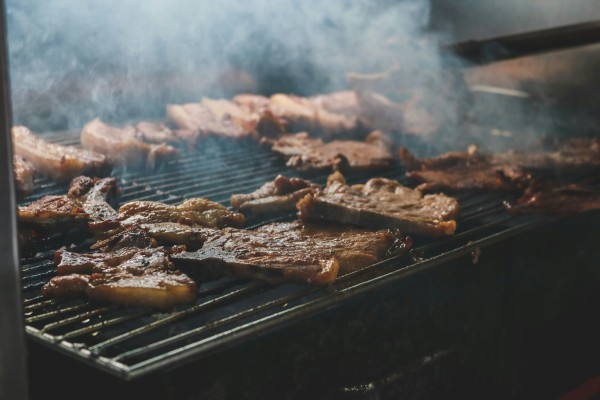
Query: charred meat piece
[124, 146]
[24, 173]
[289, 253]
[575, 156]
[272, 197]
[381, 203]
[198, 212]
[85, 205]
[130, 276]
[306, 154]
[57, 161]
[552, 198]
[464, 171]
[150, 235]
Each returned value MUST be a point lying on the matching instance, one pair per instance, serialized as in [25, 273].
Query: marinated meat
[276, 196]
[197, 212]
[124, 146]
[85, 205]
[464, 171]
[57, 161]
[556, 198]
[213, 118]
[150, 235]
[381, 203]
[130, 276]
[24, 172]
[306, 154]
[290, 253]
[562, 157]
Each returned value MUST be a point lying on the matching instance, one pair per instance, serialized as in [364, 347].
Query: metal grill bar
[134, 342]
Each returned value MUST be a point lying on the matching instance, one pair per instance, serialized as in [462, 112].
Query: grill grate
[132, 342]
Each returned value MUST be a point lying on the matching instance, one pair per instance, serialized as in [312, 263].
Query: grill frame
[488, 222]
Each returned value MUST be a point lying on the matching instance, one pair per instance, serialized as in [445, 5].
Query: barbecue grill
[460, 316]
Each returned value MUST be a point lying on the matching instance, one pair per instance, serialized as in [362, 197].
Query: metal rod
[13, 365]
[524, 44]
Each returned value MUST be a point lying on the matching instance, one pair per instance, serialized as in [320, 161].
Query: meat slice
[381, 203]
[341, 103]
[464, 171]
[24, 173]
[124, 146]
[130, 276]
[153, 234]
[198, 212]
[148, 224]
[553, 198]
[299, 114]
[290, 253]
[306, 154]
[213, 118]
[85, 205]
[155, 132]
[57, 161]
[279, 195]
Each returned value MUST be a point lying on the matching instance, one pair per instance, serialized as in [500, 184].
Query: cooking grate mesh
[132, 342]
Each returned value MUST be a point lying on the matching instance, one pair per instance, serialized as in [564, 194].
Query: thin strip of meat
[381, 203]
[24, 172]
[130, 276]
[198, 212]
[213, 118]
[148, 223]
[57, 161]
[306, 154]
[464, 171]
[124, 146]
[554, 198]
[85, 205]
[279, 195]
[290, 252]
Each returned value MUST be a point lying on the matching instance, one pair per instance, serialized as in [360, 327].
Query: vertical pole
[13, 366]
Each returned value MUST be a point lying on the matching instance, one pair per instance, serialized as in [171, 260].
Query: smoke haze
[75, 60]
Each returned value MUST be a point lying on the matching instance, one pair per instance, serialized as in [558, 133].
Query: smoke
[73, 60]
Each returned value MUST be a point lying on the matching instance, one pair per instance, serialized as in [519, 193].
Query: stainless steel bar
[13, 364]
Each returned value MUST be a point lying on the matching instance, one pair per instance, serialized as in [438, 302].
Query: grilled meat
[198, 212]
[381, 203]
[289, 253]
[24, 172]
[155, 132]
[302, 114]
[552, 198]
[150, 235]
[85, 205]
[276, 196]
[340, 103]
[57, 161]
[306, 154]
[130, 276]
[213, 118]
[464, 171]
[124, 146]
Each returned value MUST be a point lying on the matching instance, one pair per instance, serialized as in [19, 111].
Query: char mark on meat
[84, 206]
[290, 252]
[306, 154]
[555, 198]
[381, 203]
[277, 196]
[129, 276]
